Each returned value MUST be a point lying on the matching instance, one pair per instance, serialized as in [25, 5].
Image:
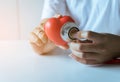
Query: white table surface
[18, 63]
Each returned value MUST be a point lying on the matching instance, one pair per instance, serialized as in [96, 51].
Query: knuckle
[40, 34]
[38, 30]
[33, 37]
[84, 61]
[43, 37]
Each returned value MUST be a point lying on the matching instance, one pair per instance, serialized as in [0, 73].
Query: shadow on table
[59, 52]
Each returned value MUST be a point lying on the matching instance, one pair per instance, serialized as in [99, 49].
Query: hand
[39, 41]
[98, 49]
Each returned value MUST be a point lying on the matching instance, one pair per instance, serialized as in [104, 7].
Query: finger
[86, 55]
[34, 39]
[78, 54]
[37, 49]
[74, 46]
[78, 59]
[42, 23]
[90, 55]
[41, 34]
[57, 16]
[84, 47]
[85, 61]
[88, 35]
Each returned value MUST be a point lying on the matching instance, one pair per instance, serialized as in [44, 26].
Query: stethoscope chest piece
[67, 30]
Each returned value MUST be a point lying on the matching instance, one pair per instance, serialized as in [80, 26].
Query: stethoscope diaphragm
[67, 30]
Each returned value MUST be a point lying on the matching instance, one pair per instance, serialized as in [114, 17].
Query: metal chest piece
[67, 30]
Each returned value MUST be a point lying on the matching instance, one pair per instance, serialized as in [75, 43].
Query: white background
[18, 18]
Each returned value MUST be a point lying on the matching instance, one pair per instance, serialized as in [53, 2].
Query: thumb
[87, 35]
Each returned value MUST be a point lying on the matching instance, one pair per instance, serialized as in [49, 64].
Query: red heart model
[53, 26]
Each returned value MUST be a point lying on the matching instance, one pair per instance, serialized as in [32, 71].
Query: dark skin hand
[98, 49]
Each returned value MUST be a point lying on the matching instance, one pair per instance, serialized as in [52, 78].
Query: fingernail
[84, 34]
[78, 54]
[74, 46]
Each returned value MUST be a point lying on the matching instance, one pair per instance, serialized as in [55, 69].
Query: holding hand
[39, 41]
[98, 49]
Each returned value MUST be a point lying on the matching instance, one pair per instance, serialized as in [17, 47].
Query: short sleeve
[53, 7]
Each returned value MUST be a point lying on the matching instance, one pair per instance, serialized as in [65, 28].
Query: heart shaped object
[53, 26]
